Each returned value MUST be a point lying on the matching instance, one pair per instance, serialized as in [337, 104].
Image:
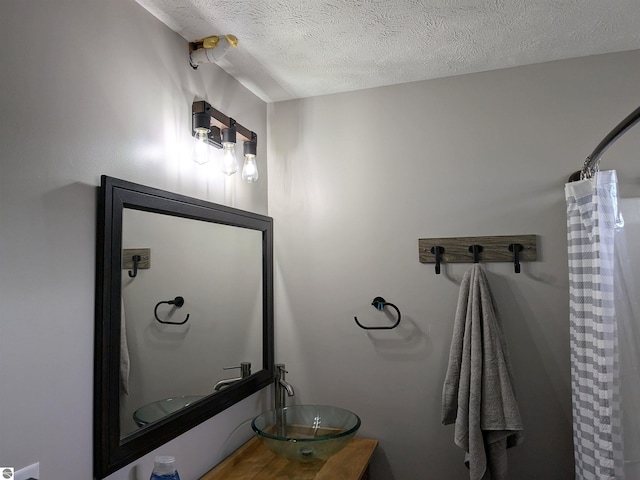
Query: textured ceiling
[299, 48]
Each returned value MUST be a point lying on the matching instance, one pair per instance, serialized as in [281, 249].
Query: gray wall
[357, 178]
[90, 88]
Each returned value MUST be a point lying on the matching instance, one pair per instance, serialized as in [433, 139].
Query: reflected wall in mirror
[217, 269]
[154, 380]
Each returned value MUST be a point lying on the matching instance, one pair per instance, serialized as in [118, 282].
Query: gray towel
[478, 394]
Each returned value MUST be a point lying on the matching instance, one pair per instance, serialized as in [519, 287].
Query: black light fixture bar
[202, 113]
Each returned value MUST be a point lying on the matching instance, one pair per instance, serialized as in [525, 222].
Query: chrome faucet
[279, 388]
[245, 371]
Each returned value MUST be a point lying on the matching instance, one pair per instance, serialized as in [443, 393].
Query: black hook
[476, 250]
[379, 303]
[437, 251]
[516, 248]
[135, 259]
[178, 302]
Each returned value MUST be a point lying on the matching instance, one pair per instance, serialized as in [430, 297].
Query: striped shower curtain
[592, 210]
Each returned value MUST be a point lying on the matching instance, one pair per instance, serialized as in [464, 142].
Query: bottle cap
[165, 459]
[164, 465]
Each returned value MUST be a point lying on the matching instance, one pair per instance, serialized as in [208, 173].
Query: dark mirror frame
[110, 451]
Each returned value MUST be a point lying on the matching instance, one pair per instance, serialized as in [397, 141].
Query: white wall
[90, 87]
[357, 178]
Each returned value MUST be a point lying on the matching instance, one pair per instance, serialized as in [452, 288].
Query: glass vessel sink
[306, 433]
[154, 411]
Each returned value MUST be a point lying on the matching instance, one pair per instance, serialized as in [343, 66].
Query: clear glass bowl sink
[308, 432]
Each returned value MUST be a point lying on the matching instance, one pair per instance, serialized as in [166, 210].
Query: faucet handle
[245, 367]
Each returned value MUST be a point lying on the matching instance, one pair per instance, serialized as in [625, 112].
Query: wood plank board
[253, 461]
[127, 258]
[495, 249]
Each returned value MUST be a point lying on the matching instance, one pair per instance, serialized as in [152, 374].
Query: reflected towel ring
[178, 302]
[379, 303]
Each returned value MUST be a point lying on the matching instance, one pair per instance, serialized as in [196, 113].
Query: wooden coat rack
[503, 248]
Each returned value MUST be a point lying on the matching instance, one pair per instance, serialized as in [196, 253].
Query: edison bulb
[229, 162]
[201, 153]
[250, 169]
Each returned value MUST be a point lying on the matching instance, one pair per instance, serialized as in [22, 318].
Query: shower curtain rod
[591, 163]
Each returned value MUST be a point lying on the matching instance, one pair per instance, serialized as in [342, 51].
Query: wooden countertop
[253, 461]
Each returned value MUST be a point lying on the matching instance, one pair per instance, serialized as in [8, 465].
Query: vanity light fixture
[212, 128]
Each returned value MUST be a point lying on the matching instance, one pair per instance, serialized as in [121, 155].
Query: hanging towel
[478, 394]
[124, 352]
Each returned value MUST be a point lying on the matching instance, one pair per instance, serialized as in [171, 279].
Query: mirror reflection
[168, 363]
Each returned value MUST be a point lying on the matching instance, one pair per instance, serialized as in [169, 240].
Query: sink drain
[306, 452]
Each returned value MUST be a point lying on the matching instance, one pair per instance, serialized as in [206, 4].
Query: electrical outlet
[28, 473]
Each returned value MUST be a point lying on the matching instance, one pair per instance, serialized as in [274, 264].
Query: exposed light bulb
[229, 162]
[201, 153]
[250, 169]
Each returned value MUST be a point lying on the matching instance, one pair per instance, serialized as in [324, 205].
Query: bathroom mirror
[159, 368]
